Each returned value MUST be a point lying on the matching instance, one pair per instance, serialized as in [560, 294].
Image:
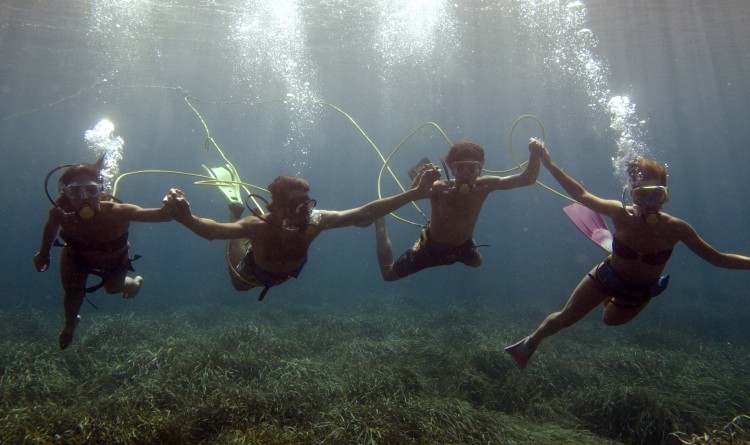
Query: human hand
[178, 205]
[536, 147]
[426, 176]
[41, 262]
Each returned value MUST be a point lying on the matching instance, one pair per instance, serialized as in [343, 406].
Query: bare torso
[106, 226]
[454, 214]
[277, 250]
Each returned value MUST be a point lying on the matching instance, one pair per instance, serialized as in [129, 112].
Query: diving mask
[465, 168]
[304, 209]
[650, 196]
[465, 172]
[86, 194]
[81, 190]
[303, 206]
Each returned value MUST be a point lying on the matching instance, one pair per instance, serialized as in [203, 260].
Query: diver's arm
[526, 177]
[49, 233]
[367, 213]
[209, 229]
[179, 208]
[578, 192]
[135, 213]
[690, 237]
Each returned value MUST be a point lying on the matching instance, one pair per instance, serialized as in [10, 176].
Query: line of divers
[265, 250]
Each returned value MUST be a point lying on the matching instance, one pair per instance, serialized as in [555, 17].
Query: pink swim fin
[591, 224]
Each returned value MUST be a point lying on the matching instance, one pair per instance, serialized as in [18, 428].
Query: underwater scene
[350, 95]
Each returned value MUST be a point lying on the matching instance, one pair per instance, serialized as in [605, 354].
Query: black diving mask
[304, 209]
[303, 206]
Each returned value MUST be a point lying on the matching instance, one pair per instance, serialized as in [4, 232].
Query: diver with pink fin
[642, 243]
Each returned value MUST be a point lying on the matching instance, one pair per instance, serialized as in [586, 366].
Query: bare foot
[235, 211]
[132, 287]
[66, 335]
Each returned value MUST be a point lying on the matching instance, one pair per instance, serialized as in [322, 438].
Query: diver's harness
[110, 246]
[75, 245]
[268, 279]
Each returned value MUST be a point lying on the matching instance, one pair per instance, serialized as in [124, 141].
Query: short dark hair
[465, 150]
[644, 169]
[282, 185]
[83, 171]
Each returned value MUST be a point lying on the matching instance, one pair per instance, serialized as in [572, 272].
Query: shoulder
[491, 182]
[250, 221]
[117, 209]
[680, 226]
[612, 208]
[54, 213]
[440, 186]
[116, 206]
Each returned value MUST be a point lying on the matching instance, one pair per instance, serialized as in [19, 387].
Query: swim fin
[590, 224]
[226, 182]
[515, 351]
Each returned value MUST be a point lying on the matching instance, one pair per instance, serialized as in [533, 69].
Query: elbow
[528, 179]
[721, 261]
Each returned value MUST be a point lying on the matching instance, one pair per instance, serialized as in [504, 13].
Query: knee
[114, 287]
[616, 316]
[389, 275]
[615, 319]
[74, 296]
[239, 285]
[474, 260]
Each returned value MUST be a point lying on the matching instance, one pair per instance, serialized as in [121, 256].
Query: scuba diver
[267, 250]
[642, 243]
[95, 235]
[456, 204]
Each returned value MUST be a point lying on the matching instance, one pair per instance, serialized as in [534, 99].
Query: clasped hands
[178, 205]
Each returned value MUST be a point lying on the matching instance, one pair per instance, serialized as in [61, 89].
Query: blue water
[471, 67]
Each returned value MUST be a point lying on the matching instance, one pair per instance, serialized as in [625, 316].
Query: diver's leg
[616, 315]
[472, 257]
[116, 280]
[236, 247]
[586, 296]
[74, 284]
[236, 250]
[385, 250]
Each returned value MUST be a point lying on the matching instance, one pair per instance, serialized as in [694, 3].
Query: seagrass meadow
[333, 91]
[304, 374]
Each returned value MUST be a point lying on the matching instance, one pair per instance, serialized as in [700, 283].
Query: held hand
[536, 147]
[41, 262]
[427, 176]
[178, 205]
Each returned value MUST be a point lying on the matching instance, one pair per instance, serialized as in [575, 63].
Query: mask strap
[46, 182]
[445, 169]
[252, 209]
[625, 207]
[256, 213]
